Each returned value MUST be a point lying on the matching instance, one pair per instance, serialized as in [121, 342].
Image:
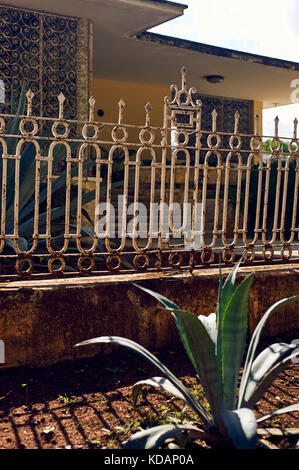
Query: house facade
[103, 48]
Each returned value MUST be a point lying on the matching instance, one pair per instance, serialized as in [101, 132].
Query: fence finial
[121, 105]
[29, 96]
[92, 102]
[214, 120]
[237, 117]
[61, 99]
[276, 120]
[256, 124]
[184, 75]
[295, 128]
[148, 109]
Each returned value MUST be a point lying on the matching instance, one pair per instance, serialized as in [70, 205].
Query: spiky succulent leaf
[254, 343]
[164, 301]
[155, 437]
[160, 382]
[267, 381]
[225, 291]
[285, 409]
[57, 185]
[234, 329]
[209, 323]
[199, 347]
[242, 427]
[192, 402]
[263, 363]
[14, 122]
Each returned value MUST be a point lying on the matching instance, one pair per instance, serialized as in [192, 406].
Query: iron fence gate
[109, 197]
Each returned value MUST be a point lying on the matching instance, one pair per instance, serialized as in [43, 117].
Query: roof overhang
[124, 50]
[246, 76]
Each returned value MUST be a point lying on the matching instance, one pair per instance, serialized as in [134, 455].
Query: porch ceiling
[124, 51]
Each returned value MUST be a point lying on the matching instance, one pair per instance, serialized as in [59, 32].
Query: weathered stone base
[40, 321]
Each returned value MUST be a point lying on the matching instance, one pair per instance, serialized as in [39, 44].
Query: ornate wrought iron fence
[159, 198]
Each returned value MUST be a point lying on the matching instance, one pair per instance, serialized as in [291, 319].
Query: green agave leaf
[209, 323]
[254, 343]
[168, 303]
[286, 409]
[267, 381]
[199, 347]
[224, 295]
[192, 402]
[13, 129]
[263, 364]
[27, 173]
[27, 178]
[242, 427]
[160, 382]
[201, 351]
[13, 125]
[26, 228]
[86, 215]
[155, 437]
[229, 285]
[234, 329]
[22, 243]
[85, 230]
[57, 184]
[28, 169]
[13, 108]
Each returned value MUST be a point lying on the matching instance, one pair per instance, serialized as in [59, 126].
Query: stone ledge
[41, 320]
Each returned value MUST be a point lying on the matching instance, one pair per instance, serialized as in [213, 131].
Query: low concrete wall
[40, 321]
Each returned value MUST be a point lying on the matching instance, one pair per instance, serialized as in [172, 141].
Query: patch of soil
[87, 404]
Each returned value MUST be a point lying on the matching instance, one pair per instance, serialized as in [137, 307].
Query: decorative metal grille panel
[47, 52]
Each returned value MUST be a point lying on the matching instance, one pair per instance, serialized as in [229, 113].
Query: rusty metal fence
[104, 197]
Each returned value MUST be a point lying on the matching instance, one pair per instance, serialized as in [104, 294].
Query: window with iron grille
[49, 54]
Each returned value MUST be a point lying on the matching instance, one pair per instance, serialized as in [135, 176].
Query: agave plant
[26, 183]
[215, 345]
[27, 188]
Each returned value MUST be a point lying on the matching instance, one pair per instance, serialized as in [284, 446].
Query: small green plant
[67, 399]
[25, 386]
[216, 345]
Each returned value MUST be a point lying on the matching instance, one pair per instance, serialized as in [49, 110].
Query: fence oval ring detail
[265, 249]
[58, 270]
[245, 255]
[19, 269]
[231, 253]
[109, 262]
[86, 128]
[172, 259]
[183, 134]
[57, 134]
[25, 132]
[295, 143]
[89, 268]
[136, 261]
[255, 143]
[144, 133]
[231, 142]
[210, 143]
[119, 139]
[288, 256]
[204, 254]
[272, 142]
